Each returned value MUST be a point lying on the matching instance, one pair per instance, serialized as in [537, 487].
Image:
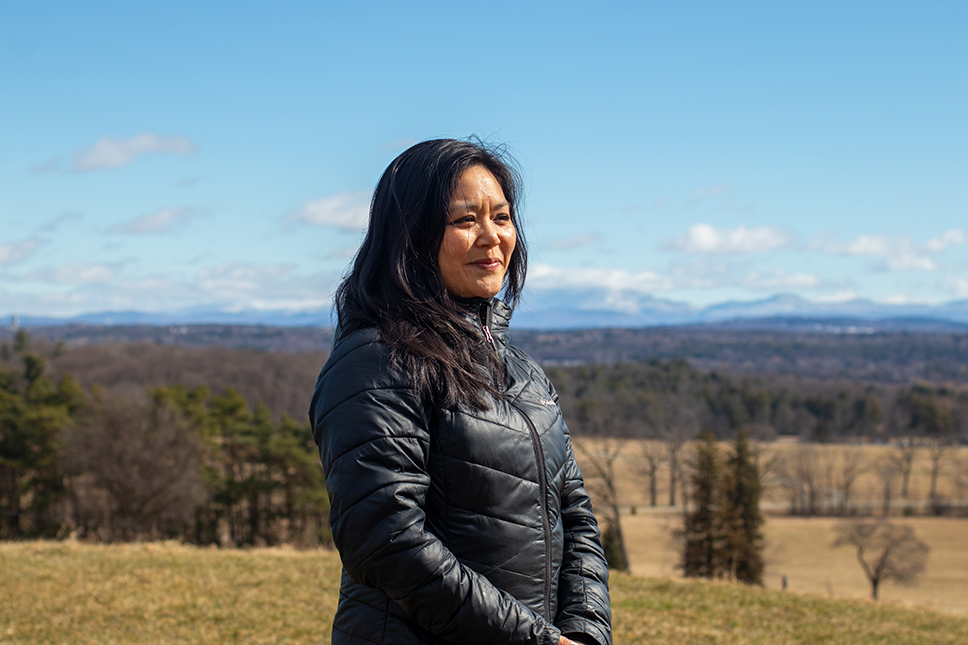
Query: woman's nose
[488, 235]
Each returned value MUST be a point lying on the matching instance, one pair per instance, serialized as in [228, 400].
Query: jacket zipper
[484, 313]
[543, 486]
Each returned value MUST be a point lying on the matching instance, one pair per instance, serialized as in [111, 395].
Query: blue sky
[161, 156]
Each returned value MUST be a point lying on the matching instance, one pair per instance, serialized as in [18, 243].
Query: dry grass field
[800, 548]
[163, 594]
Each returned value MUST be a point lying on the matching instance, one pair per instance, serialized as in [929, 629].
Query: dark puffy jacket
[455, 526]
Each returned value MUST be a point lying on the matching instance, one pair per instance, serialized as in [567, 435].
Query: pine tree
[742, 515]
[703, 532]
[721, 534]
[34, 410]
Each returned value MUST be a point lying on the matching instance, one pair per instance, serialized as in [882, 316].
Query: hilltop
[163, 593]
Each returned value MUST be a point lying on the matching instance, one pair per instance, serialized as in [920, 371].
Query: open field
[800, 548]
[826, 461]
[69, 593]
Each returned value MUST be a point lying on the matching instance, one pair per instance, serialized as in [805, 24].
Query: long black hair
[395, 283]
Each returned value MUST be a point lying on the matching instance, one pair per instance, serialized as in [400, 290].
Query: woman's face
[479, 236]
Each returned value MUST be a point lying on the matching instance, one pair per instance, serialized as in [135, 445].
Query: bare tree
[804, 480]
[674, 443]
[277, 378]
[960, 480]
[804, 424]
[851, 466]
[769, 463]
[904, 462]
[605, 421]
[602, 458]
[887, 474]
[885, 551]
[143, 458]
[676, 420]
[938, 452]
[653, 456]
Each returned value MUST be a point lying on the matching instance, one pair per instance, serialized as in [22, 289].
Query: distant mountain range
[593, 308]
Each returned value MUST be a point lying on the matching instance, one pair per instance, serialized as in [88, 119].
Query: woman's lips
[487, 265]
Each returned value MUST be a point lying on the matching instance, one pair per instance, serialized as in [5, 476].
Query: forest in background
[849, 350]
[211, 444]
[124, 453]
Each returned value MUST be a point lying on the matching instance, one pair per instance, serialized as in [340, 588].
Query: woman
[457, 507]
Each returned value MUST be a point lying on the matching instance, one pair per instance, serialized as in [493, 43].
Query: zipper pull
[484, 313]
[487, 335]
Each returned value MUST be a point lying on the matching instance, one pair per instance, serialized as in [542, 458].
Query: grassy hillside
[168, 593]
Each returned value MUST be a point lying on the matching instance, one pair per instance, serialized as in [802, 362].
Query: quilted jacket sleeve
[583, 602]
[374, 443]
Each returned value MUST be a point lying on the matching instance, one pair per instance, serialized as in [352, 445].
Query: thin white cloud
[904, 299]
[701, 275]
[17, 251]
[954, 237]
[576, 242]
[114, 153]
[707, 239]
[957, 285]
[241, 277]
[288, 304]
[872, 245]
[544, 276]
[163, 221]
[345, 211]
[230, 287]
[909, 262]
[241, 286]
[779, 280]
[844, 295]
[901, 253]
[75, 273]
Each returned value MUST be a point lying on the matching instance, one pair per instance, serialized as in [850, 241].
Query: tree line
[671, 403]
[655, 399]
[128, 451]
[128, 462]
[805, 349]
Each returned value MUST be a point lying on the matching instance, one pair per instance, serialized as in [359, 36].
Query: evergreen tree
[703, 533]
[264, 479]
[721, 533]
[33, 413]
[742, 514]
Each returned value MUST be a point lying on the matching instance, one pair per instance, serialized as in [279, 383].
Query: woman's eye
[463, 221]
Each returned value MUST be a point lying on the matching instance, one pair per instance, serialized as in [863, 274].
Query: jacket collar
[492, 313]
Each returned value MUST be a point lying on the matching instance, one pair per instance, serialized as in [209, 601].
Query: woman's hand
[567, 641]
